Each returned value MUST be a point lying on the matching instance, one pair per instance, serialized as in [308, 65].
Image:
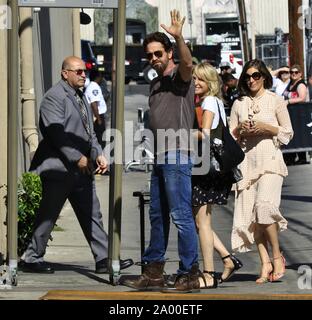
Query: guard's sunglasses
[78, 72]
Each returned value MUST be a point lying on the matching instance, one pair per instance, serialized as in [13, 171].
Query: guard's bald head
[69, 61]
[74, 72]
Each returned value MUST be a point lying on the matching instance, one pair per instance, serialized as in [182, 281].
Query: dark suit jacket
[65, 138]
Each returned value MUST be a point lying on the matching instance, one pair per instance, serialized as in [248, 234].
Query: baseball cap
[224, 64]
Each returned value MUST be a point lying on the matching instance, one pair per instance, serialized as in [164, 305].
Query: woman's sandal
[237, 265]
[265, 279]
[275, 276]
[213, 276]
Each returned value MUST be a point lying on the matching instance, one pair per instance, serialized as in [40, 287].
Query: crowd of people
[256, 105]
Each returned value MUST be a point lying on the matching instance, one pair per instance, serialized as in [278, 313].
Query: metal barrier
[144, 198]
[146, 157]
[273, 54]
[301, 120]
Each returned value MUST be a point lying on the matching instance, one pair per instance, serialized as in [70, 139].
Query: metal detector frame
[118, 87]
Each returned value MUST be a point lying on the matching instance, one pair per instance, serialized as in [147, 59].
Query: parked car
[148, 72]
[87, 55]
[134, 55]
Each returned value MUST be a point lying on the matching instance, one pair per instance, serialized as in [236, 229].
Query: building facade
[263, 16]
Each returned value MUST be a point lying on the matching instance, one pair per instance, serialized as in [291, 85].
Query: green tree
[29, 196]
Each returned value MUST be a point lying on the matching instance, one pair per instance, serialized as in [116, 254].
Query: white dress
[263, 158]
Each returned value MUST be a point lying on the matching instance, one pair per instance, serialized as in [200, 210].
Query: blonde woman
[211, 189]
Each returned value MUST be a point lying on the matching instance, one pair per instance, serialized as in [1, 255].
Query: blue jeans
[171, 194]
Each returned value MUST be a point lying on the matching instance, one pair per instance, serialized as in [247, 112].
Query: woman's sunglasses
[255, 76]
[157, 54]
[294, 72]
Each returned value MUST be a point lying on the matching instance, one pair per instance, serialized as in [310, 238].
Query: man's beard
[160, 68]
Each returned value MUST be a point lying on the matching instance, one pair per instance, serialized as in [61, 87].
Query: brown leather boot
[187, 282]
[152, 278]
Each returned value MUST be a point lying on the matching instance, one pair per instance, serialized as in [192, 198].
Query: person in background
[225, 67]
[211, 189]
[261, 124]
[296, 92]
[95, 97]
[310, 86]
[281, 79]
[229, 91]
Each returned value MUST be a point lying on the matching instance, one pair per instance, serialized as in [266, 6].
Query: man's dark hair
[95, 74]
[261, 67]
[158, 37]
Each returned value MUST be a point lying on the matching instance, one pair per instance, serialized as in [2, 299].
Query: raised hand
[175, 29]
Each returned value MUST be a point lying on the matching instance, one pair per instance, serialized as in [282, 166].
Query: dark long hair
[261, 67]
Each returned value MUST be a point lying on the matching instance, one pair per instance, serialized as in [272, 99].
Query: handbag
[225, 153]
[228, 153]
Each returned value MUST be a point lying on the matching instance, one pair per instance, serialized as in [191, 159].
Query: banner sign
[301, 120]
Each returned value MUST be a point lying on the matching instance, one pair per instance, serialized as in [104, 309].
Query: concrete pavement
[70, 255]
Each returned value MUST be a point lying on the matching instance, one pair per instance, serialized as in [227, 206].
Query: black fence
[301, 120]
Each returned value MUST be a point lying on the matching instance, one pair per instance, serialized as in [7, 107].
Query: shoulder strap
[220, 117]
[217, 132]
[199, 116]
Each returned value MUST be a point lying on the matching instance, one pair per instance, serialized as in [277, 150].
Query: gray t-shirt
[171, 115]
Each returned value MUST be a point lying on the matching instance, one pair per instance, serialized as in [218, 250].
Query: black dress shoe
[36, 267]
[102, 266]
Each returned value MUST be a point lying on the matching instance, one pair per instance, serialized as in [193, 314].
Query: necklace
[254, 107]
